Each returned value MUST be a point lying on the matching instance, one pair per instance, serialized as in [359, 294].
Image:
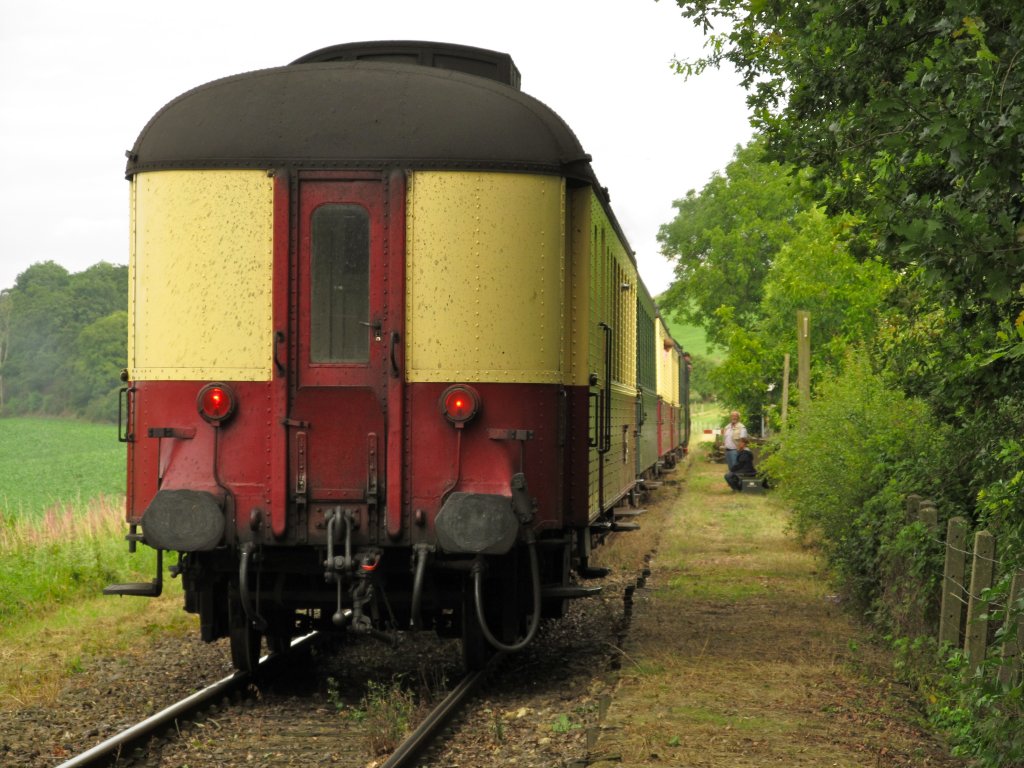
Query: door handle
[278, 340]
[391, 354]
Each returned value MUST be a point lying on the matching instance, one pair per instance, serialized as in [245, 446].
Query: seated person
[743, 466]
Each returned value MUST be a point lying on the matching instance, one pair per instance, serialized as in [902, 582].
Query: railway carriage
[383, 351]
[671, 377]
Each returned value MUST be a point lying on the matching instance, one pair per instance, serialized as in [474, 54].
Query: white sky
[80, 79]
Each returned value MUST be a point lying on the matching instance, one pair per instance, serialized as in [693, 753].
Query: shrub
[845, 464]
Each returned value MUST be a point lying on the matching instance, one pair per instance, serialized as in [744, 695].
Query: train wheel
[502, 613]
[280, 631]
[476, 651]
[245, 639]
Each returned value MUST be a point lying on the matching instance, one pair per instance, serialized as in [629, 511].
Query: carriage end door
[347, 306]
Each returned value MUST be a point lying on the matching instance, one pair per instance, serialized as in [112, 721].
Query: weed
[563, 724]
[388, 711]
[334, 694]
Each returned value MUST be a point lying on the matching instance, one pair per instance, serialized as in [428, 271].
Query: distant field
[47, 462]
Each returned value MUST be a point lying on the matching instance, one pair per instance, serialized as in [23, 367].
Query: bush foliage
[846, 463]
[905, 120]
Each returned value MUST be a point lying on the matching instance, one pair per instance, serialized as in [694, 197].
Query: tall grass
[67, 553]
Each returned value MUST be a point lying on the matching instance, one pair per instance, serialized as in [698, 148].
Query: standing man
[731, 433]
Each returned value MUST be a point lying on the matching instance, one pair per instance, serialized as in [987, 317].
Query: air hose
[478, 600]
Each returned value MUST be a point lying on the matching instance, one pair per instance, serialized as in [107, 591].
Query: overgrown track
[305, 708]
[123, 743]
[410, 749]
[130, 746]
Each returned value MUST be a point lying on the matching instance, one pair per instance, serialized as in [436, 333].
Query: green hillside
[692, 339]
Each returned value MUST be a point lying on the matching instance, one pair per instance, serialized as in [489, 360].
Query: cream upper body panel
[668, 365]
[485, 277]
[200, 272]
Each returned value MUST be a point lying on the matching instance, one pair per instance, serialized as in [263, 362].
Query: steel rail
[409, 749]
[111, 748]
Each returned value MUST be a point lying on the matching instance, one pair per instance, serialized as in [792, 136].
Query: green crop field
[691, 338]
[57, 462]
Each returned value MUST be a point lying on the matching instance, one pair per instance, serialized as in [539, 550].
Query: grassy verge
[740, 655]
[66, 554]
[38, 653]
[52, 613]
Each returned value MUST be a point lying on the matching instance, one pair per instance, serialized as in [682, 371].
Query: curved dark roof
[358, 114]
[461, 58]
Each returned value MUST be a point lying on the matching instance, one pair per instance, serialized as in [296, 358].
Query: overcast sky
[79, 80]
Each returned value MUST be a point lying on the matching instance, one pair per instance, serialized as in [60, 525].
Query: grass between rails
[739, 655]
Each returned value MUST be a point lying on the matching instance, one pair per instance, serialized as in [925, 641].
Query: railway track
[132, 745]
[540, 704]
[121, 744]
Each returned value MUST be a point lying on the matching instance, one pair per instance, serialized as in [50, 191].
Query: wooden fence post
[1014, 641]
[928, 514]
[803, 356]
[981, 579]
[785, 389]
[913, 504]
[952, 582]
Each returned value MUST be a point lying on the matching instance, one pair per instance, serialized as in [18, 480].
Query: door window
[340, 284]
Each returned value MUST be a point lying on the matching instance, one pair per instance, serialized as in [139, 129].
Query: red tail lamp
[459, 404]
[216, 403]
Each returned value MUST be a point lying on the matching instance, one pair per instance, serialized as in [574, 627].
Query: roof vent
[460, 58]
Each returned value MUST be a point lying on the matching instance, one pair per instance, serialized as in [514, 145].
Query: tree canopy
[750, 249]
[907, 112]
[904, 118]
[724, 239]
[63, 341]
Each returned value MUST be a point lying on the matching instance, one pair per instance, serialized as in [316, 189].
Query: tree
[724, 239]
[812, 271]
[101, 354]
[5, 335]
[48, 352]
[751, 250]
[908, 112]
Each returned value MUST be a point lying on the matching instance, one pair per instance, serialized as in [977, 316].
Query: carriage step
[651, 483]
[629, 512]
[592, 572]
[623, 527]
[136, 589]
[568, 591]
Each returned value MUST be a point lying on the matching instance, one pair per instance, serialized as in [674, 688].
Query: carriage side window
[340, 284]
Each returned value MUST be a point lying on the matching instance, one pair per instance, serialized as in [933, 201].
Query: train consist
[391, 365]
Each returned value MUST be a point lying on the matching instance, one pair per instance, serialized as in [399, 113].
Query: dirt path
[740, 656]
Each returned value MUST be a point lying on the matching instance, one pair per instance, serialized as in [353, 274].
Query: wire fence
[983, 607]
